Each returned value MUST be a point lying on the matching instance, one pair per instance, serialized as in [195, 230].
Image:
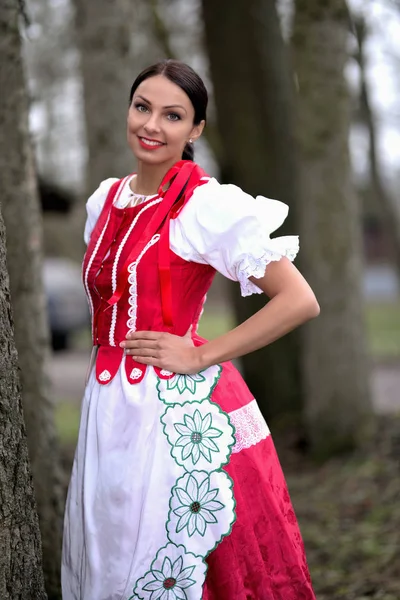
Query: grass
[383, 330]
[67, 422]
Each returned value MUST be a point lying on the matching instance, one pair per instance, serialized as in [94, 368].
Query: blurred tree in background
[21, 211]
[333, 352]
[254, 101]
[107, 66]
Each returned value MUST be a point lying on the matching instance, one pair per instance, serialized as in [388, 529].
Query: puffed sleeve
[94, 206]
[230, 230]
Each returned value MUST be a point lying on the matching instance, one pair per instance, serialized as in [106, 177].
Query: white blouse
[221, 226]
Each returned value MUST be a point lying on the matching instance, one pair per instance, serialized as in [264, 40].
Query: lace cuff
[249, 266]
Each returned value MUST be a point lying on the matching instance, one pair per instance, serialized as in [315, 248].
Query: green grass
[215, 323]
[67, 422]
[383, 330]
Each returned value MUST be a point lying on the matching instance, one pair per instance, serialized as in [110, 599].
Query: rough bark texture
[22, 217]
[253, 96]
[21, 576]
[334, 361]
[103, 32]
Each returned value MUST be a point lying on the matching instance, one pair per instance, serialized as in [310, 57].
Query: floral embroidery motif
[197, 505]
[185, 382]
[105, 375]
[188, 388]
[201, 505]
[202, 510]
[165, 372]
[135, 373]
[196, 437]
[171, 580]
[200, 435]
[171, 575]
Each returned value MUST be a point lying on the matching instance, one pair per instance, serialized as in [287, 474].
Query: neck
[149, 177]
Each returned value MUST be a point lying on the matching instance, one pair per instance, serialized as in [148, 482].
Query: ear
[197, 131]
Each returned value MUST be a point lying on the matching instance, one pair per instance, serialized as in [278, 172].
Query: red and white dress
[176, 491]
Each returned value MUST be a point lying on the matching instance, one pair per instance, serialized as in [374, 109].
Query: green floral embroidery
[196, 437]
[185, 382]
[197, 506]
[171, 582]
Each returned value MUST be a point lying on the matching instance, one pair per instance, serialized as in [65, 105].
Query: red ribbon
[181, 172]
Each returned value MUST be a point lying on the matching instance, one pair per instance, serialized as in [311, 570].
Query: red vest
[133, 281]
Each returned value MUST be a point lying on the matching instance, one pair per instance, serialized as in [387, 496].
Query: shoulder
[213, 202]
[94, 205]
[97, 199]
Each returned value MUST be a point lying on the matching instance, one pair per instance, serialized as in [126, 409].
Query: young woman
[176, 491]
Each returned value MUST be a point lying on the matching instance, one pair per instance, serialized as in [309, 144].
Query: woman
[176, 491]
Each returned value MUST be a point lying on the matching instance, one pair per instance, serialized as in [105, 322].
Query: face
[160, 121]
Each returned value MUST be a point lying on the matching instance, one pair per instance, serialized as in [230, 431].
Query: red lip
[149, 147]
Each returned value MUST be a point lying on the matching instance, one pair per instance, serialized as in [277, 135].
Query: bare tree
[22, 217]
[388, 211]
[334, 350]
[103, 33]
[21, 573]
[253, 96]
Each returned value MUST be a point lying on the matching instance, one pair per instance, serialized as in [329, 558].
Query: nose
[153, 123]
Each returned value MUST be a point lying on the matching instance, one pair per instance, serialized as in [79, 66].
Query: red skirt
[263, 558]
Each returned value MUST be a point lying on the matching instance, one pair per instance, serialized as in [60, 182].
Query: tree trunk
[21, 575]
[389, 213]
[103, 32]
[334, 350]
[253, 96]
[22, 217]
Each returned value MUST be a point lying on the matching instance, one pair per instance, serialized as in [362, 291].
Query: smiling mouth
[150, 143]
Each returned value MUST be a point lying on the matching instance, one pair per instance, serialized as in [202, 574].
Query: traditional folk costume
[176, 490]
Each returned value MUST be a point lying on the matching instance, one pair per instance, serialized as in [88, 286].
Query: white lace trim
[250, 426]
[115, 265]
[249, 266]
[132, 279]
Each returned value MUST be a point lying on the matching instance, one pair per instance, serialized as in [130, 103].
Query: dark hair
[187, 79]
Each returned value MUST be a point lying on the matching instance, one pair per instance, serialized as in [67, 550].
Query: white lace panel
[250, 426]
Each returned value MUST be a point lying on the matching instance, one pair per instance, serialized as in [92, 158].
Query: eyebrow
[169, 106]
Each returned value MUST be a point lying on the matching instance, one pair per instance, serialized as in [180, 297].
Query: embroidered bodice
[217, 228]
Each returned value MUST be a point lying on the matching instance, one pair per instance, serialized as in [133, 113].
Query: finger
[142, 352]
[144, 335]
[148, 360]
[138, 344]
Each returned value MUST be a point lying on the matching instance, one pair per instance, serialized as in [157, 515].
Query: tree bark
[21, 576]
[103, 34]
[22, 217]
[253, 95]
[334, 350]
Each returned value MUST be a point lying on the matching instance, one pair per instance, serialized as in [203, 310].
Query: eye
[141, 108]
[173, 117]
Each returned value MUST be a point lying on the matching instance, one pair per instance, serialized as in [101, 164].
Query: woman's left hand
[164, 350]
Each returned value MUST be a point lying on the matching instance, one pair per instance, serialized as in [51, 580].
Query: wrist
[200, 358]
